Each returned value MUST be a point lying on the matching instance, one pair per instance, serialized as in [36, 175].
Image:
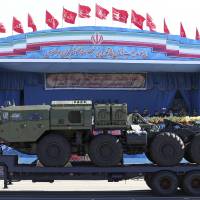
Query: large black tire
[187, 155]
[191, 183]
[1, 151]
[164, 183]
[194, 150]
[148, 155]
[167, 149]
[147, 179]
[53, 150]
[105, 150]
[180, 182]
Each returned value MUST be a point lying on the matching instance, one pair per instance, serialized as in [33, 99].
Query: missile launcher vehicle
[55, 132]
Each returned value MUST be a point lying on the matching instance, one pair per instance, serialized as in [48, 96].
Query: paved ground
[78, 186]
[79, 190]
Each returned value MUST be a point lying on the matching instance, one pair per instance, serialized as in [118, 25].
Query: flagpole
[112, 16]
[62, 16]
[95, 19]
[45, 28]
[12, 27]
[46, 25]
[28, 22]
[131, 21]
[78, 15]
[131, 26]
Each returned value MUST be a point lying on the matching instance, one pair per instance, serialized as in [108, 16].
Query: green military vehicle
[136, 118]
[55, 132]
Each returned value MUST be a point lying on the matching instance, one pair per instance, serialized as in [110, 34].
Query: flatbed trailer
[164, 181]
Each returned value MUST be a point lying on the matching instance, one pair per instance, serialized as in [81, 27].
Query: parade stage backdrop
[141, 68]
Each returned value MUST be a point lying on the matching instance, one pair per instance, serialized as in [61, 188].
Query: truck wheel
[195, 149]
[167, 149]
[105, 150]
[148, 155]
[1, 151]
[191, 183]
[53, 150]
[180, 182]
[147, 179]
[187, 155]
[164, 183]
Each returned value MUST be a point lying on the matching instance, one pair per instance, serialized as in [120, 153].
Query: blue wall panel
[10, 95]
[152, 99]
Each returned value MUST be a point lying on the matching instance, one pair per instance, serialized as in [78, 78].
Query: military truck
[55, 132]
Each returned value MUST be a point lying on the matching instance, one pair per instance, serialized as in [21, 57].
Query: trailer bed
[84, 171]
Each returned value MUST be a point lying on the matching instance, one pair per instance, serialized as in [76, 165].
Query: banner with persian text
[95, 81]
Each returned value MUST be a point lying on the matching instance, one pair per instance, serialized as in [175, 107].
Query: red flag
[182, 31]
[101, 12]
[166, 30]
[31, 23]
[17, 26]
[150, 23]
[69, 16]
[197, 34]
[51, 21]
[137, 19]
[84, 11]
[119, 15]
[2, 28]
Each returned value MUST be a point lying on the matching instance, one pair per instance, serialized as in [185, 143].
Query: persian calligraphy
[96, 81]
[95, 52]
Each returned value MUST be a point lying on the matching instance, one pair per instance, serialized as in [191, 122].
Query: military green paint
[24, 129]
[28, 123]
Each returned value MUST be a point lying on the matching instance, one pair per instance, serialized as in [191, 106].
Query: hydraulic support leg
[5, 177]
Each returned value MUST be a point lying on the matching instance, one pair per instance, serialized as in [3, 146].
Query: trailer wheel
[180, 182]
[191, 183]
[167, 149]
[105, 150]
[148, 155]
[53, 150]
[187, 155]
[164, 183]
[195, 149]
[147, 179]
[1, 151]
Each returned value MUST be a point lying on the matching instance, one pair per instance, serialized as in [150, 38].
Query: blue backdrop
[152, 99]
[28, 88]
[9, 95]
